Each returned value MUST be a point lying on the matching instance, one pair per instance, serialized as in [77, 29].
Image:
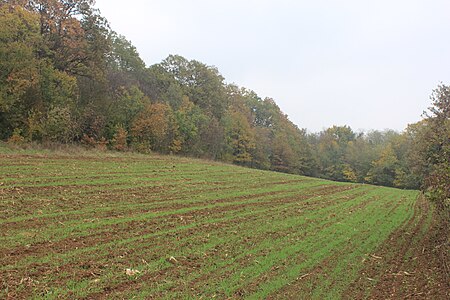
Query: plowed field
[118, 226]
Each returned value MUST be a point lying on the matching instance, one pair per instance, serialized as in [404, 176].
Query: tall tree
[153, 128]
[19, 65]
[331, 150]
[32, 90]
[435, 150]
[240, 138]
[203, 84]
[383, 171]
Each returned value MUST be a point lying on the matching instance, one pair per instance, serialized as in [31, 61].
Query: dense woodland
[67, 77]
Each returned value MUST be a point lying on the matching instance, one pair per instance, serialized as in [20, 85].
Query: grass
[72, 223]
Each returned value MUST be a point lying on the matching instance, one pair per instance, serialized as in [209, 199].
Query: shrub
[16, 138]
[119, 141]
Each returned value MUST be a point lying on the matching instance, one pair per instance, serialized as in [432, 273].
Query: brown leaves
[152, 125]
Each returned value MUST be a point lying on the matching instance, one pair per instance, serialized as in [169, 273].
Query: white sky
[366, 64]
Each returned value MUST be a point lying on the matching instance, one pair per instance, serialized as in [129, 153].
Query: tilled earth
[121, 226]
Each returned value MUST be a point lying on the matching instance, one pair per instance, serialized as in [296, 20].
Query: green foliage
[240, 138]
[383, 171]
[188, 119]
[59, 125]
[202, 84]
[349, 174]
[434, 149]
[16, 138]
[57, 88]
[127, 104]
[331, 148]
[124, 56]
[19, 65]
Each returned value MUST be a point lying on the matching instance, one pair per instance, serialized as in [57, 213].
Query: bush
[119, 141]
[59, 126]
[16, 138]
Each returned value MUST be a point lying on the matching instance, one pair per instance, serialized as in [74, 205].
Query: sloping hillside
[96, 225]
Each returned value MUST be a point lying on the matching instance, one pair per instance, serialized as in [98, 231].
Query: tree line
[67, 77]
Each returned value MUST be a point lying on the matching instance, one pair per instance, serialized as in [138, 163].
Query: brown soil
[221, 251]
[193, 264]
[412, 263]
[132, 229]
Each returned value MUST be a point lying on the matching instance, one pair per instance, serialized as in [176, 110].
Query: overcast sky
[367, 64]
